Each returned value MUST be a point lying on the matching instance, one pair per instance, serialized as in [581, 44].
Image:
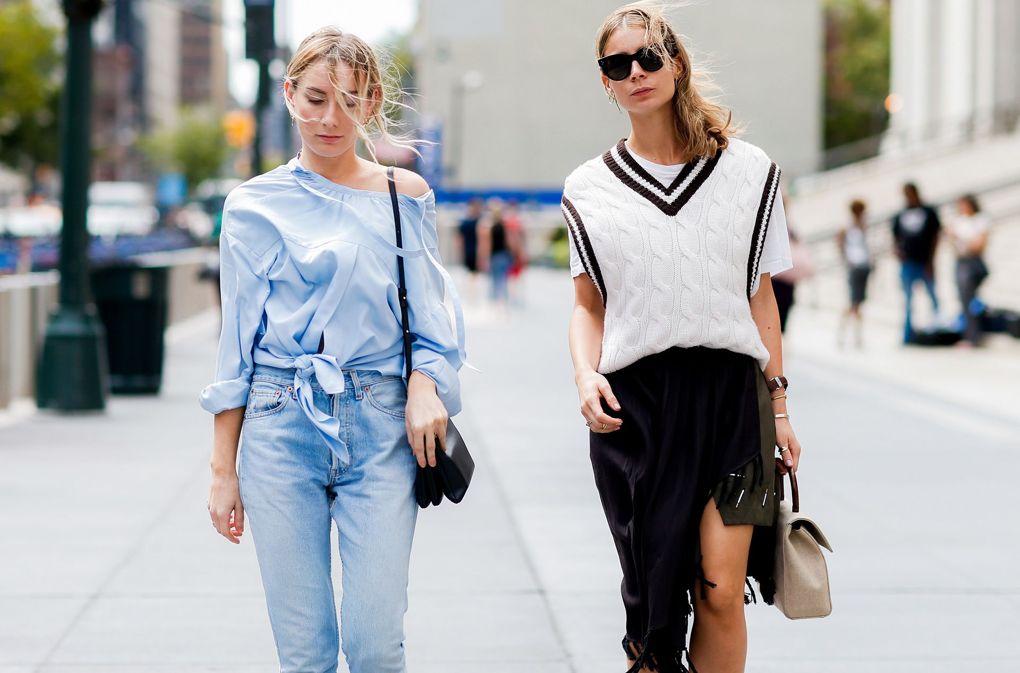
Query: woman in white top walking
[853, 246]
[969, 235]
[675, 232]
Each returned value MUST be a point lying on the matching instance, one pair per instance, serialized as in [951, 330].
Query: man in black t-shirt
[916, 234]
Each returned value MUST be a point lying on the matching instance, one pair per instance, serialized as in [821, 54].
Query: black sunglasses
[617, 67]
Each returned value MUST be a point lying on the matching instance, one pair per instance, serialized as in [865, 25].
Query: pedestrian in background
[467, 235]
[497, 255]
[784, 283]
[969, 236]
[915, 232]
[853, 248]
[683, 433]
[309, 372]
[517, 237]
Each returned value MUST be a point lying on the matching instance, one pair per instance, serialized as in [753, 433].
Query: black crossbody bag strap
[402, 284]
[452, 474]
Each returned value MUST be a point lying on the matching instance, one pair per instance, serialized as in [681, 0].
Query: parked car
[121, 208]
[210, 196]
[41, 220]
[192, 218]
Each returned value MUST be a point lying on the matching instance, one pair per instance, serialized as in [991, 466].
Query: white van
[121, 208]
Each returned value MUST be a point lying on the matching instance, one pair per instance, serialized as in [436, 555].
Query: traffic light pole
[261, 102]
[260, 45]
[72, 371]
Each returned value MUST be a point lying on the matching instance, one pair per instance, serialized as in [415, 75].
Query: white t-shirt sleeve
[576, 266]
[775, 253]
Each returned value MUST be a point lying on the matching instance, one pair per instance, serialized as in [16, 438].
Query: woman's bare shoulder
[410, 183]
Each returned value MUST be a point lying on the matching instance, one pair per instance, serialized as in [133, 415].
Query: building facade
[955, 71]
[203, 62]
[152, 59]
[512, 87]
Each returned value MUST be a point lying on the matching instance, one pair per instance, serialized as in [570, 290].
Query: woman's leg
[500, 269]
[719, 635]
[375, 512]
[908, 276]
[967, 281]
[929, 285]
[284, 471]
[858, 325]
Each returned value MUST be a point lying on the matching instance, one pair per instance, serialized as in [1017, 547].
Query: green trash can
[132, 303]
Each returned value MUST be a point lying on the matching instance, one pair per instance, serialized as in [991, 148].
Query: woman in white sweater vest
[677, 351]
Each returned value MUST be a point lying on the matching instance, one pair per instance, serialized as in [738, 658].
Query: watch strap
[777, 382]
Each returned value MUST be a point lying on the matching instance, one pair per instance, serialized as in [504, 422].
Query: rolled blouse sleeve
[244, 287]
[435, 350]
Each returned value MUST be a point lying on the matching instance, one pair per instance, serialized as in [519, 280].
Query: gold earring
[611, 96]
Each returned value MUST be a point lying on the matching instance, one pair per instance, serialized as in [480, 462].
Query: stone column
[1007, 65]
[913, 48]
[957, 98]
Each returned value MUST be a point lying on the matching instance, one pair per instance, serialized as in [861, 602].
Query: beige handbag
[802, 578]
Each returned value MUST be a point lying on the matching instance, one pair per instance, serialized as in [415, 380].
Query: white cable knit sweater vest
[675, 264]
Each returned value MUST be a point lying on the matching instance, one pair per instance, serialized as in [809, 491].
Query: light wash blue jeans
[912, 273]
[293, 487]
[499, 268]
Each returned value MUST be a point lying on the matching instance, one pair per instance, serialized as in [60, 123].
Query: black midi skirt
[697, 424]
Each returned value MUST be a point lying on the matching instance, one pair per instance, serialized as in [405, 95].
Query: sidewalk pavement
[109, 563]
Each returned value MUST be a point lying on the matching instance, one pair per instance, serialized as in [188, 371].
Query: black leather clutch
[450, 477]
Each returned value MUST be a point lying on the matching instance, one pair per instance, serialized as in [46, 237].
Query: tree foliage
[30, 85]
[858, 60]
[196, 147]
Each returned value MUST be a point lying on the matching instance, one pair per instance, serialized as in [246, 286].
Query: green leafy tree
[197, 147]
[858, 53]
[30, 85]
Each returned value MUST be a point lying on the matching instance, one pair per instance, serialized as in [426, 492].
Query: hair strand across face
[377, 90]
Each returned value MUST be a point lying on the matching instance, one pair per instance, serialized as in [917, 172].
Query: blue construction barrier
[45, 250]
[524, 197]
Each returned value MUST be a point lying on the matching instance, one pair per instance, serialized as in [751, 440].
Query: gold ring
[784, 449]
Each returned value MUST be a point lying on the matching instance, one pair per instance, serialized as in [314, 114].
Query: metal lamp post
[72, 371]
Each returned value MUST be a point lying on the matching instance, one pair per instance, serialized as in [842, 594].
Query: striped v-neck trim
[669, 199]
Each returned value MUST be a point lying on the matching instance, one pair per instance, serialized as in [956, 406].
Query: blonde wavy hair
[702, 126]
[377, 85]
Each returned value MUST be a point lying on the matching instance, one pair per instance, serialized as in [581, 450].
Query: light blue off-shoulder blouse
[302, 257]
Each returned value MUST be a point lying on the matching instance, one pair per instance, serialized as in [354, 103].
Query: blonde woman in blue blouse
[309, 369]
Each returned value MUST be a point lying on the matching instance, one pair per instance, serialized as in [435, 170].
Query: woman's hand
[425, 419]
[785, 439]
[592, 388]
[225, 507]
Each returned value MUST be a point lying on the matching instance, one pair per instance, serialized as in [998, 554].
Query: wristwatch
[777, 382]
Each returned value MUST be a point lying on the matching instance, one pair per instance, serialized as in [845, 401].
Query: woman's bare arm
[586, 328]
[225, 507]
[766, 316]
[978, 245]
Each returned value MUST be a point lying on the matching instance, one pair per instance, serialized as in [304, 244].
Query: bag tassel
[750, 597]
[646, 658]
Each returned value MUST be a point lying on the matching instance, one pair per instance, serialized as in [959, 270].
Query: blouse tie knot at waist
[330, 377]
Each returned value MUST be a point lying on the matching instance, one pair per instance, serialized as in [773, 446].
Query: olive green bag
[802, 577]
